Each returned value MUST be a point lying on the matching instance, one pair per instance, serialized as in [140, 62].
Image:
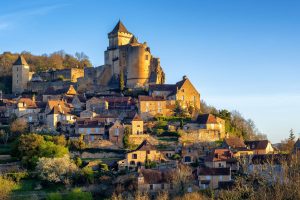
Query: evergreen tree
[121, 79]
[292, 135]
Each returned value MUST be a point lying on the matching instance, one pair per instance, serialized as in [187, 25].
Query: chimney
[184, 77]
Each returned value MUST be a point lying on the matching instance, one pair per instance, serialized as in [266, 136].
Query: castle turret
[20, 75]
[119, 36]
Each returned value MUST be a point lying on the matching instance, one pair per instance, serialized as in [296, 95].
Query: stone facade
[183, 92]
[20, 75]
[126, 57]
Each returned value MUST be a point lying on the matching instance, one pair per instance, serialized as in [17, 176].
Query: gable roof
[234, 142]
[207, 119]
[119, 28]
[152, 176]
[71, 90]
[163, 87]
[137, 117]
[219, 155]
[257, 144]
[150, 98]
[29, 103]
[145, 146]
[214, 171]
[20, 61]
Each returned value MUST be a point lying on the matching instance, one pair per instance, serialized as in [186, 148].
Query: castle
[124, 58]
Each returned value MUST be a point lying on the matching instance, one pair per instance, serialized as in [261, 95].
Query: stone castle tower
[20, 75]
[125, 54]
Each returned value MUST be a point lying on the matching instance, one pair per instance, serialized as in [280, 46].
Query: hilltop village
[123, 129]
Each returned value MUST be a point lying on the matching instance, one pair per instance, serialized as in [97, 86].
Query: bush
[54, 196]
[78, 194]
[7, 186]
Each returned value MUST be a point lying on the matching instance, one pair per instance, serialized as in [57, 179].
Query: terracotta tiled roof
[213, 171]
[152, 176]
[29, 103]
[90, 123]
[64, 106]
[145, 146]
[207, 119]
[258, 144]
[150, 98]
[235, 142]
[219, 155]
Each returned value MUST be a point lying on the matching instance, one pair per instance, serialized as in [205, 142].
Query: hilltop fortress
[127, 59]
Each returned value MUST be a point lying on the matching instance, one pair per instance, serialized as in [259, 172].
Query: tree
[182, 177]
[56, 170]
[78, 194]
[31, 147]
[292, 135]
[4, 135]
[121, 81]
[18, 126]
[6, 187]
[179, 111]
[126, 137]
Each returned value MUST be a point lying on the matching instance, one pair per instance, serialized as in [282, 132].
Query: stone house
[137, 125]
[26, 106]
[150, 107]
[191, 152]
[91, 129]
[59, 115]
[155, 180]
[211, 123]
[221, 158]
[96, 105]
[260, 146]
[87, 114]
[136, 158]
[183, 91]
[237, 146]
[213, 177]
[21, 75]
[116, 134]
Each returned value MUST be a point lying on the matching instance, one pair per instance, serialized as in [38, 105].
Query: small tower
[20, 75]
[119, 36]
[137, 125]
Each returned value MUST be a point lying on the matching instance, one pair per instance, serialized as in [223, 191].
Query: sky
[240, 55]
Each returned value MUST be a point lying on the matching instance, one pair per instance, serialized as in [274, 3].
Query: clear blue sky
[241, 55]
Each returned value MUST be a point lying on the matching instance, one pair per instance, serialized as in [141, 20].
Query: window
[162, 186]
[187, 159]
[88, 131]
[220, 165]
[132, 162]
[146, 57]
[92, 138]
[134, 156]
[138, 126]
[151, 187]
[116, 132]
[148, 151]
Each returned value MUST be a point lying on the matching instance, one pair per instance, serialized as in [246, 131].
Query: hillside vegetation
[56, 60]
